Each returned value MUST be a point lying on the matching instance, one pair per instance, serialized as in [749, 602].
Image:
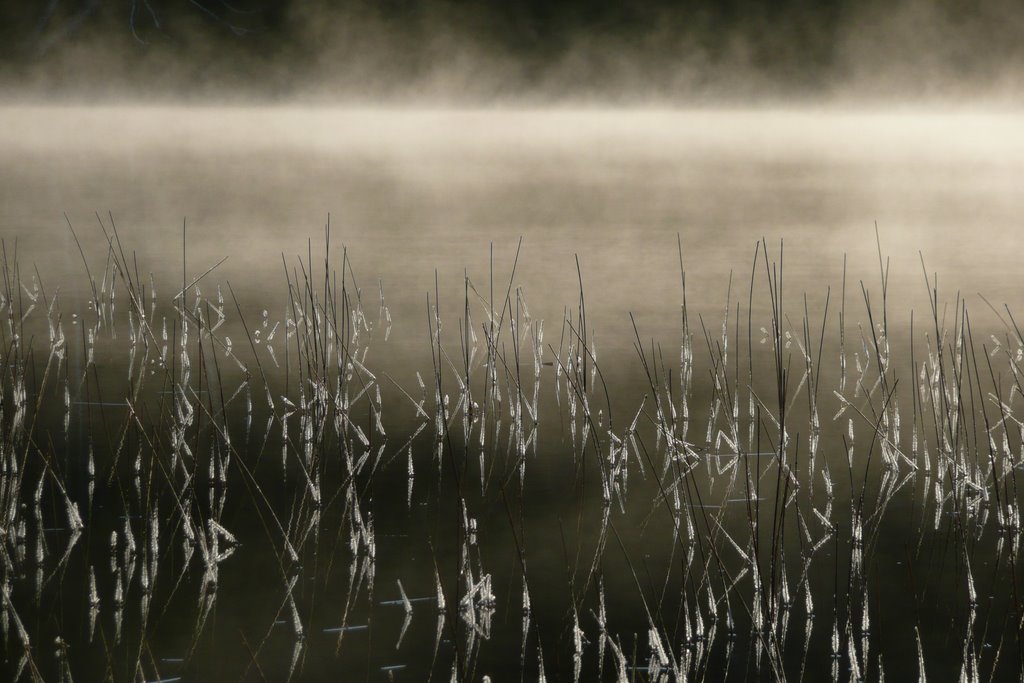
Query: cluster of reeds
[731, 511]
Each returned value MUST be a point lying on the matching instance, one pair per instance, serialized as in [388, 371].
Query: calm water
[411, 192]
[253, 541]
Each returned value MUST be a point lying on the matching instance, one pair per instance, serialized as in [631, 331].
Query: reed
[796, 481]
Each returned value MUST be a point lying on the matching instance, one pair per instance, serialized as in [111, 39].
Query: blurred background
[540, 51]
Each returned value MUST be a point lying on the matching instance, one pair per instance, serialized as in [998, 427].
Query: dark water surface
[246, 474]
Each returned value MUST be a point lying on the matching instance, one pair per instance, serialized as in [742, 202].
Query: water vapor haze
[540, 52]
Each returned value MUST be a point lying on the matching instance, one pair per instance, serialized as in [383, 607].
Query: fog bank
[536, 52]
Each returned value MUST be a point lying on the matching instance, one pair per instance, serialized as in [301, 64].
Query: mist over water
[409, 192]
[449, 52]
[420, 340]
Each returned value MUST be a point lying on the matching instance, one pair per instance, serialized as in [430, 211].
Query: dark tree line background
[492, 49]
